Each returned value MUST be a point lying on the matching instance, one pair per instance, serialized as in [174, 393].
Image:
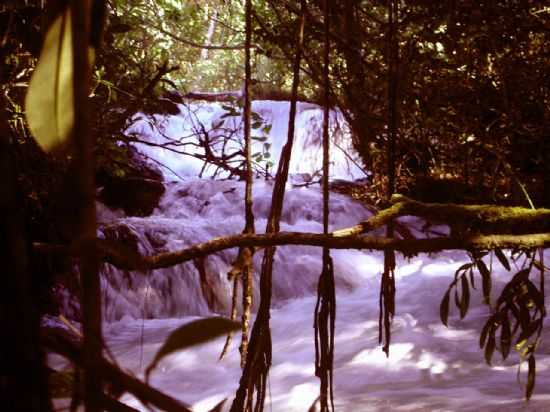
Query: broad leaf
[49, 101]
[191, 334]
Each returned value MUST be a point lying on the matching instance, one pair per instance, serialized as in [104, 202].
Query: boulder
[137, 196]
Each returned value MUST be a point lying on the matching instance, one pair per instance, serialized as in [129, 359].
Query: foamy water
[430, 368]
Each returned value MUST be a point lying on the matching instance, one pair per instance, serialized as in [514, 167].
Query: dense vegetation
[448, 101]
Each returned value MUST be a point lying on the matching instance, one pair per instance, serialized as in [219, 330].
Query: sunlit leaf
[49, 100]
[191, 334]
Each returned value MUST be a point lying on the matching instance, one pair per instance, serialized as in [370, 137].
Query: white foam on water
[430, 368]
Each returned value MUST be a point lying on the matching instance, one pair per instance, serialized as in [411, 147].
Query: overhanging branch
[124, 258]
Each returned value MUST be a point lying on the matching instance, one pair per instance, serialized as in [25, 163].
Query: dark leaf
[444, 308]
[490, 347]
[486, 280]
[505, 336]
[218, 124]
[502, 259]
[218, 407]
[526, 333]
[465, 301]
[191, 334]
[530, 377]
[485, 331]
[464, 267]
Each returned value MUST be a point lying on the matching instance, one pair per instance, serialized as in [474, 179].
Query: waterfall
[430, 367]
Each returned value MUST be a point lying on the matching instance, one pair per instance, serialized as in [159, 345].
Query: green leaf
[530, 377]
[444, 308]
[191, 334]
[49, 101]
[502, 259]
[266, 129]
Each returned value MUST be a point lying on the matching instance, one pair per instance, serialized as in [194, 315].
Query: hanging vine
[325, 309]
[387, 287]
[258, 359]
[243, 266]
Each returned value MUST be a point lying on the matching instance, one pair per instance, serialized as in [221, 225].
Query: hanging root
[387, 301]
[233, 317]
[324, 322]
[247, 303]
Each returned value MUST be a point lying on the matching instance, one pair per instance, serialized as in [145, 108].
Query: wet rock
[135, 195]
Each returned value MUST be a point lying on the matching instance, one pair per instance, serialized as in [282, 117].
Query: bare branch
[124, 258]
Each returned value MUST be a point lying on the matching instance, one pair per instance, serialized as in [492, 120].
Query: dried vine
[258, 359]
[325, 308]
[387, 287]
[89, 262]
[243, 265]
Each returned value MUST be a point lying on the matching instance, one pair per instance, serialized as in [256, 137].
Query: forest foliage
[447, 101]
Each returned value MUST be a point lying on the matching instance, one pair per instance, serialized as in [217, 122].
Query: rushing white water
[430, 368]
[198, 122]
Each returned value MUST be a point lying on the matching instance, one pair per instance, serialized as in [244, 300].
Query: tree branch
[56, 341]
[484, 219]
[124, 258]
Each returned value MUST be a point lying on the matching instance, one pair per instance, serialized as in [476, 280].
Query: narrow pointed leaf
[465, 300]
[502, 259]
[191, 334]
[444, 308]
[490, 347]
[505, 337]
[486, 280]
[484, 333]
[530, 377]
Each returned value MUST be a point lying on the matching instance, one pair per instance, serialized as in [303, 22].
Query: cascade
[430, 367]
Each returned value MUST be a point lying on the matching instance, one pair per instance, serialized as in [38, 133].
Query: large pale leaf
[49, 101]
[191, 334]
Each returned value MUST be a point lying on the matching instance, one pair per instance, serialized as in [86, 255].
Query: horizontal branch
[257, 93]
[124, 258]
[198, 45]
[56, 341]
[483, 219]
